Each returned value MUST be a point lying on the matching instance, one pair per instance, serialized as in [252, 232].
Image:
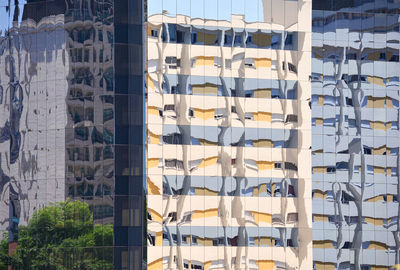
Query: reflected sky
[209, 9]
[4, 18]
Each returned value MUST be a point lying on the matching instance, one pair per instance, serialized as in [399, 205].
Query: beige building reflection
[229, 137]
[355, 143]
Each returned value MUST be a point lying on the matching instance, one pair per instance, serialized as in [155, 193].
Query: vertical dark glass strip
[129, 227]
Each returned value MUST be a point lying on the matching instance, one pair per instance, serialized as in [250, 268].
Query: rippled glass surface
[355, 134]
[228, 134]
[64, 154]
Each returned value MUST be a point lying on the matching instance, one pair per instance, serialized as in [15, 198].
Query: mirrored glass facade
[355, 134]
[228, 134]
[71, 134]
[199, 134]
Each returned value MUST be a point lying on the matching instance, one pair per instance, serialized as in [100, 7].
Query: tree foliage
[60, 237]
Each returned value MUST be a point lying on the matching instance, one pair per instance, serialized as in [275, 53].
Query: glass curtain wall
[228, 134]
[71, 134]
[355, 134]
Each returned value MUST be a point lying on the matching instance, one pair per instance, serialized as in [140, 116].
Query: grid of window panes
[64, 157]
[355, 134]
[228, 164]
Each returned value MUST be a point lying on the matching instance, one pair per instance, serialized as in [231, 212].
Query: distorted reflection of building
[355, 141]
[56, 75]
[33, 115]
[228, 125]
[229, 134]
[57, 119]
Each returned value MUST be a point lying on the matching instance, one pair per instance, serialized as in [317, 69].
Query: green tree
[4, 259]
[61, 236]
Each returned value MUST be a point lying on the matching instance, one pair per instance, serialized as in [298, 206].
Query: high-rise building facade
[72, 129]
[355, 134]
[199, 134]
[229, 134]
